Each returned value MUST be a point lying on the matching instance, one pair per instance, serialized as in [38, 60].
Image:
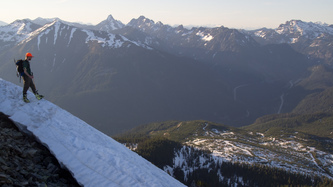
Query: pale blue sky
[229, 13]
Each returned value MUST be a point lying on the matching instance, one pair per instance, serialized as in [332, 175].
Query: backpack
[19, 68]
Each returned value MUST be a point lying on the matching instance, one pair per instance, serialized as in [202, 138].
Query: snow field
[93, 158]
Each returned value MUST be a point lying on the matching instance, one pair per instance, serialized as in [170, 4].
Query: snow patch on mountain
[93, 158]
[71, 36]
[56, 30]
[205, 37]
[105, 42]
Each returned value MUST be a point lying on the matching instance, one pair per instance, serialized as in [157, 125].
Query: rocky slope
[25, 162]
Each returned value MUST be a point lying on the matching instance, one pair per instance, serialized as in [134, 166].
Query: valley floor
[286, 153]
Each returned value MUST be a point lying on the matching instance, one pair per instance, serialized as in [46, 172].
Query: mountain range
[312, 39]
[117, 76]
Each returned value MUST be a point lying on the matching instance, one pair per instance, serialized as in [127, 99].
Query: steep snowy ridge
[37, 32]
[93, 158]
[17, 31]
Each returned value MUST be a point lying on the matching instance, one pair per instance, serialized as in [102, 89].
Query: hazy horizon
[240, 14]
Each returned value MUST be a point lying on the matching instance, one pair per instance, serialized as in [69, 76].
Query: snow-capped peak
[59, 31]
[308, 29]
[110, 18]
[31, 35]
[294, 31]
[17, 31]
[110, 24]
[141, 22]
[93, 158]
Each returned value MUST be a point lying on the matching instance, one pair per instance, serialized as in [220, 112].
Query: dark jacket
[26, 65]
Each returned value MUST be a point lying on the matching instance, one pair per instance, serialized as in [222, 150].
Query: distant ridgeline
[145, 71]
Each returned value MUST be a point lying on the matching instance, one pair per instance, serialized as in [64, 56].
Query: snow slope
[93, 158]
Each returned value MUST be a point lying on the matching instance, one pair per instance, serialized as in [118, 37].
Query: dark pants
[28, 82]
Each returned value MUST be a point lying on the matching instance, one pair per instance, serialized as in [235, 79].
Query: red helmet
[29, 55]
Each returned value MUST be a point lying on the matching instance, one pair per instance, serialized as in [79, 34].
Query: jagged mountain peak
[110, 24]
[110, 18]
[217, 39]
[142, 21]
[302, 35]
[159, 23]
[180, 27]
[206, 40]
[307, 29]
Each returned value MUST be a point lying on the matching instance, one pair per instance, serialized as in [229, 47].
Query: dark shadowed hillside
[25, 162]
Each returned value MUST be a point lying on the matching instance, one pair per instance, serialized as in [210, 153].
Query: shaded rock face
[26, 162]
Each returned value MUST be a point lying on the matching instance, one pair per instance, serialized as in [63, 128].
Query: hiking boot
[39, 97]
[25, 99]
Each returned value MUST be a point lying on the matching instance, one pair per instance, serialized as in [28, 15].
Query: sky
[240, 14]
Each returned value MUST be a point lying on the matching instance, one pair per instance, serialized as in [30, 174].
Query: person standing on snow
[28, 79]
